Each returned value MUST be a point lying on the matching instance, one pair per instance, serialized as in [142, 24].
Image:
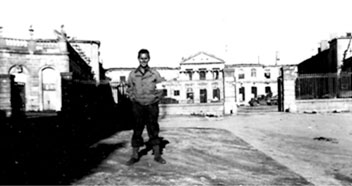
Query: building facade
[200, 80]
[37, 64]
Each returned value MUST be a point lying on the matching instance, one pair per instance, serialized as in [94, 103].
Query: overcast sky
[237, 31]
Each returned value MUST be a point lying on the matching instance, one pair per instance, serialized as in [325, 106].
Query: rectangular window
[49, 86]
[254, 91]
[242, 92]
[240, 76]
[176, 92]
[164, 92]
[253, 72]
[267, 73]
[216, 95]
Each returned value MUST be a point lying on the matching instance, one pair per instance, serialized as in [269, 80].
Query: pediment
[202, 58]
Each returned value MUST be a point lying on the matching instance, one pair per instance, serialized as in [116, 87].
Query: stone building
[37, 66]
[199, 79]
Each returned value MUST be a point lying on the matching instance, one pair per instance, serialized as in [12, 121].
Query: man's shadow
[149, 147]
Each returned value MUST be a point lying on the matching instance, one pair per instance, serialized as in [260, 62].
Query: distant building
[200, 80]
[254, 80]
[37, 65]
[118, 77]
[203, 83]
[330, 58]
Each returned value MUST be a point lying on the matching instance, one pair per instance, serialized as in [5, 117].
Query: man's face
[143, 59]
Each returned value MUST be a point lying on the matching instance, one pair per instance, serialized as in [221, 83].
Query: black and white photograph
[183, 93]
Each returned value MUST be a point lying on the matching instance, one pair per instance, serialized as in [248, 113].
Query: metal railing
[324, 86]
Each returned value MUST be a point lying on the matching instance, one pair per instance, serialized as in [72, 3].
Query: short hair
[143, 51]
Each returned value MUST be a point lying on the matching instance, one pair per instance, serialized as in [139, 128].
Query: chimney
[31, 32]
[348, 34]
[324, 45]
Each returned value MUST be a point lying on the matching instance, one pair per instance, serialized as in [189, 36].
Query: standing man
[145, 98]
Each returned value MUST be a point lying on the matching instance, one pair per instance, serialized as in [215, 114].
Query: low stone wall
[189, 109]
[324, 105]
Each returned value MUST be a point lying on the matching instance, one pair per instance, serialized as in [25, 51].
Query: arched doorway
[49, 85]
[18, 94]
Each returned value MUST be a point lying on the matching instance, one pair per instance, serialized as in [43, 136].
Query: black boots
[134, 158]
[157, 155]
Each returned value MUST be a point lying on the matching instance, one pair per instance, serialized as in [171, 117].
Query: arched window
[202, 75]
[49, 81]
[189, 95]
[18, 72]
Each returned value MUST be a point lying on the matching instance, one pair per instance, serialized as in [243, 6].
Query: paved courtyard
[265, 148]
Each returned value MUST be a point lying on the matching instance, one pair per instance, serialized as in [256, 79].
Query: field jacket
[142, 86]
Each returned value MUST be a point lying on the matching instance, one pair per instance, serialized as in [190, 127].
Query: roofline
[132, 68]
[202, 63]
[251, 65]
[85, 41]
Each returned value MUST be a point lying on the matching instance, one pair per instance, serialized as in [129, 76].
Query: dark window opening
[176, 92]
[203, 95]
[254, 91]
[122, 79]
[240, 76]
[189, 72]
[242, 92]
[202, 75]
[216, 95]
[164, 92]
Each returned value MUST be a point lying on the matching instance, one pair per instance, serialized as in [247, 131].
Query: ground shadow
[59, 149]
[148, 147]
[54, 150]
